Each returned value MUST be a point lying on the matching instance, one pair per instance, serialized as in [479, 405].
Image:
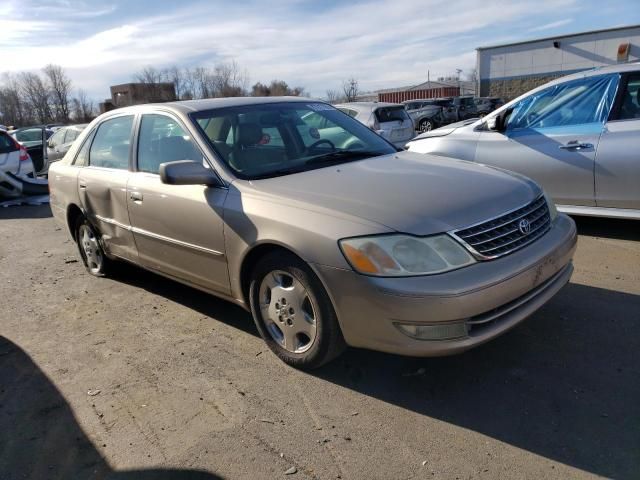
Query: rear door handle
[136, 196]
[575, 146]
[83, 186]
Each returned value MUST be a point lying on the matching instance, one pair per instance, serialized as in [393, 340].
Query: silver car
[578, 136]
[389, 120]
[319, 227]
[60, 142]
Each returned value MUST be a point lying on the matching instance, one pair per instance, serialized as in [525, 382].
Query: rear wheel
[425, 125]
[293, 313]
[91, 250]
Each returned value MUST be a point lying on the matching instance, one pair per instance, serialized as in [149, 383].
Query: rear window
[7, 145]
[391, 114]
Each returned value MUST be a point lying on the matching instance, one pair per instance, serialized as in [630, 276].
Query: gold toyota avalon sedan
[327, 233]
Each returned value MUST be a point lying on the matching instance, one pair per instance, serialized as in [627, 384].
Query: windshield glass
[260, 141]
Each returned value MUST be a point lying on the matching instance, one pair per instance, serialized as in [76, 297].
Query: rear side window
[391, 114]
[57, 138]
[82, 157]
[71, 135]
[162, 140]
[348, 111]
[110, 147]
[630, 106]
[7, 145]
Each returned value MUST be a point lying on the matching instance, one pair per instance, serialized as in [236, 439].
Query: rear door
[617, 169]
[103, 184]
[178, 229]
[552, 135]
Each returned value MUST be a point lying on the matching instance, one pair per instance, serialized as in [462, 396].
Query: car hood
[446, 130]
[407, 192]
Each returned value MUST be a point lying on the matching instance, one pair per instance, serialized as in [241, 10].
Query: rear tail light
[24, 155]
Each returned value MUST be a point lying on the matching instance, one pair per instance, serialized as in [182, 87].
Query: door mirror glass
[188, 172]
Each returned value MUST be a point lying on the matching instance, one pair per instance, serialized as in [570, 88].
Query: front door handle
[83, 186]
[136, 196]
[575, 145]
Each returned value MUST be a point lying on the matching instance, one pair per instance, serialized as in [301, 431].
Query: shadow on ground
[563, 385]
[39, 435]
[608, 228]
[25, 211]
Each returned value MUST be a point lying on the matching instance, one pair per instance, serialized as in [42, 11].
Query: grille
[507, 233]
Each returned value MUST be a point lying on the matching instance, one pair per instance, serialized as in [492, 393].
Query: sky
[315, 44]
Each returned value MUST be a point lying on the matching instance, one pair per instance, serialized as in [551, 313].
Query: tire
[293, 312]
[425, 125]
[87, 238]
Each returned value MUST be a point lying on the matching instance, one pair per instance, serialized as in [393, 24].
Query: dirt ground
[139, 377]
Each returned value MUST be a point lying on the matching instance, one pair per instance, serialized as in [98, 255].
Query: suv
[486, 105]
[389, 120]
[460, 108]
[426, 114]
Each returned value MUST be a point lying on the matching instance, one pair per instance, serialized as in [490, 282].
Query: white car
[389, 120]
[16, 166]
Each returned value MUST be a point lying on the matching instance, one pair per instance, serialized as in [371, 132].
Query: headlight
[553, 211]
[403, 255]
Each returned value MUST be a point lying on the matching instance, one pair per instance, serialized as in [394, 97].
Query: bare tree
[36, 96]
[351, 89]
[83, 108]
[276, 88]
[334, 96]
[230, 81]
[13, 110]
[59, 86]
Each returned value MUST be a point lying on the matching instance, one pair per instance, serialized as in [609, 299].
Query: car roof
[367, 106]
[620, 68]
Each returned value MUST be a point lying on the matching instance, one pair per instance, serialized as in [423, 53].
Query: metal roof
[557, 37]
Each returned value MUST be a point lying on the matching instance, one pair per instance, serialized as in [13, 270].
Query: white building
[512, 69]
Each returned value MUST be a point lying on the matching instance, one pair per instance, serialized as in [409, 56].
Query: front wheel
[425, 125]
[91, 251]
[293, 312]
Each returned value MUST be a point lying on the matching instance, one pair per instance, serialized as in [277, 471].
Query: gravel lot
[139, 377]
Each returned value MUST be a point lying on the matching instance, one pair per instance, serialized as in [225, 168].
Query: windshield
[260, 141]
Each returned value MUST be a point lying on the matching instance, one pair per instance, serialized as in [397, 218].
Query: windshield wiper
[342, 155]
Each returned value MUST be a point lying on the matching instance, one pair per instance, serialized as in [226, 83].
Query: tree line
[224, 80]
[28, 98]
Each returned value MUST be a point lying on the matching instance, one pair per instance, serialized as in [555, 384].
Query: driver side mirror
[498, 123]
[188, 172]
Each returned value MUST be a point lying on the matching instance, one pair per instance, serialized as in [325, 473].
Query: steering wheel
[320, 142]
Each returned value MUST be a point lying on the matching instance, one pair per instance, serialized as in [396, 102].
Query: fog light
[446, 331]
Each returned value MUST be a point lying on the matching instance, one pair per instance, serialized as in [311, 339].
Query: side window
[577, 102]
[110, 147]
[348, 111]
[162, 140]
[82, 157]
[630, 106]
[71, 135]
[57, 138]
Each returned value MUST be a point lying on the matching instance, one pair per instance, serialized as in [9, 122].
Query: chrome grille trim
[501, 235]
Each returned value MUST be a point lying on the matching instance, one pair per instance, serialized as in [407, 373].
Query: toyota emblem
[524, 226]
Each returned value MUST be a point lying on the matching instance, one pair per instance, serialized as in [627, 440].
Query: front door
[103, 185]
[178, 229]
[618, 159]
[552, 135]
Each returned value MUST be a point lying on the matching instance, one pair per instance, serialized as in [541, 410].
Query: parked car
[460, 108]
[426, 114]
[32, 139]
[60, 142]
[389, 120]
[486, 105]
[16, 167]
[326, 246]
[578, 136]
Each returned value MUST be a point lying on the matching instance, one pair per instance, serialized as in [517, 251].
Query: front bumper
[490, 297]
